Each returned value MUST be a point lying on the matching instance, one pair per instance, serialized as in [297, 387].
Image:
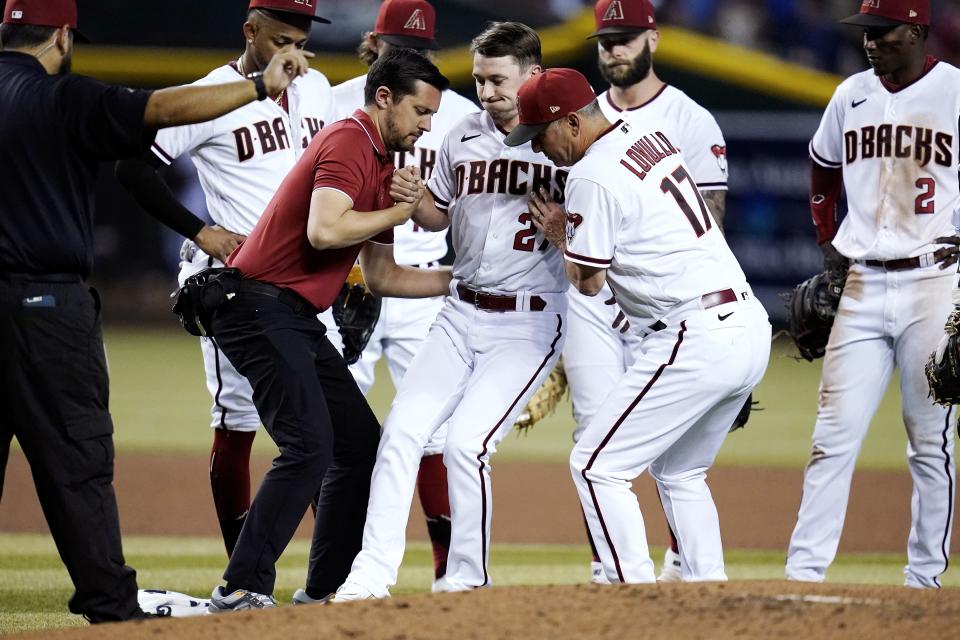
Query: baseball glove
[744, 416]
[545, 400]
[811, 308]
[943, 365]
[356, 312]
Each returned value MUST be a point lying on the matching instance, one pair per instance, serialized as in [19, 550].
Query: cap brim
[524, 133]
[410, 42]
[617, 31]
[868, 20]
[79, 37]
[298, 14]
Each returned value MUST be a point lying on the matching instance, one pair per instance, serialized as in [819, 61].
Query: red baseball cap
[890, 13]
[622, 16]
[546, 97]
[298, 7]
[407, 23]
[44, 13]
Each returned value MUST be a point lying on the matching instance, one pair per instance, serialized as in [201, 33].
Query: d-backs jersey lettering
[899, 154]
[692, 129]
[483, 186]
[412, 245]
[634, 209]
[243, 156]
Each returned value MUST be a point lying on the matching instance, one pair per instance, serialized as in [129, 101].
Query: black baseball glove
[811, 308]
[356, 312]
[943, 365]
[744, 416]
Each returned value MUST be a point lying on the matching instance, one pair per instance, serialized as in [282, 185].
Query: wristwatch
[257, 78]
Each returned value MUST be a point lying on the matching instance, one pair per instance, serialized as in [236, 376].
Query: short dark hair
[515, 39]
[398, 70]
[18, 36]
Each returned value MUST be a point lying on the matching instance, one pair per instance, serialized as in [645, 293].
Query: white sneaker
[597, 576]
[671, 571]
[350, 591]
[300, 597]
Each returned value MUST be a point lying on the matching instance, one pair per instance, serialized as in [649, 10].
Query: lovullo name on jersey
[272, 136]
[516, 177]
[902, 141]
[647, 152]
[426, 158]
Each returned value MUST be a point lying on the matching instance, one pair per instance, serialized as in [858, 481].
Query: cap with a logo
[44, 13]
[546, 97]
[300, 7]
[622, 16]
[407, 23]
[890, 13]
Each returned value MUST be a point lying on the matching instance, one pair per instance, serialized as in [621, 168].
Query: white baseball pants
[885, 320]
[477, 370]
[670, 413]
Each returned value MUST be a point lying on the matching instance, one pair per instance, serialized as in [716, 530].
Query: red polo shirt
[348, 156]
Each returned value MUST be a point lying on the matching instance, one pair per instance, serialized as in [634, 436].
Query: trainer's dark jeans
[326, 433]
[53, 373]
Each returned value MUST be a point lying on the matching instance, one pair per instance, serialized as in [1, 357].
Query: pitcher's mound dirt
[715, 611]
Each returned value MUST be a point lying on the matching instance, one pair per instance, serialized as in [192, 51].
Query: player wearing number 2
[636, 219]
[497, 336]
[890, 137]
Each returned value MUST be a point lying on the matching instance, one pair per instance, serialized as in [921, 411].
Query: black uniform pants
[325, 430]
[53, 372]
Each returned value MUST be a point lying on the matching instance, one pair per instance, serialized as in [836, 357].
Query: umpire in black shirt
[55, 128]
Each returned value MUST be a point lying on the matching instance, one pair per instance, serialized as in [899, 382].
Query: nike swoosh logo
[722, 317]
[466, 137]
[856, 104]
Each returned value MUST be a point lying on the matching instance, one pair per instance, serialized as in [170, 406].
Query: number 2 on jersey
[673, 188]
[925, 201]
[525, 239]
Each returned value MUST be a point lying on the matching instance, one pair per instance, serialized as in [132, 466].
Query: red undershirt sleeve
[825, 186]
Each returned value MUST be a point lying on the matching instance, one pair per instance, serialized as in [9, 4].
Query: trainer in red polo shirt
[334, 205]
[348, 156]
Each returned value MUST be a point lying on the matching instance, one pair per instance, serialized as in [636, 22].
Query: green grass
[160, 403]
[34, 587]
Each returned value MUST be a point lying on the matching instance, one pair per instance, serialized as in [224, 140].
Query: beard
[629, 74]
[393, 138]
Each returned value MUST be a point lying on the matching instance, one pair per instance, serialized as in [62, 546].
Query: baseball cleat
[300, 597]
[597, 576]
[239, 600]
[350, 591]
[671, 571]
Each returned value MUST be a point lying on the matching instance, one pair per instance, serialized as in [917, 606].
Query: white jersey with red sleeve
[483, 185]
[243, 156]
[692, 129]
[899, 150]
[635, 210]
[412, 245]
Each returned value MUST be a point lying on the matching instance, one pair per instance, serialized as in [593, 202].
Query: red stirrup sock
[230, 481]
[432, 486]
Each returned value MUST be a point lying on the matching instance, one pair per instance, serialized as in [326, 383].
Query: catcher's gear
[943, 365]
[356, 312]
[545, 400]
[811, 308]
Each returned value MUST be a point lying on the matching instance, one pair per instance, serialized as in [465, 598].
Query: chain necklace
[280, 96]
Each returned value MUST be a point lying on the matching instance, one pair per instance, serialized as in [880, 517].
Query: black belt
[496, 301]
[708, 300]
[289, 297]
[903, 264]
[65, 278]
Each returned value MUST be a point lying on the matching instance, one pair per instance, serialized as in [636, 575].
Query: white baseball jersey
[634, 209]
[412, 244]
[692, 129]
[483, 186]
[899, 154]
[242, 157]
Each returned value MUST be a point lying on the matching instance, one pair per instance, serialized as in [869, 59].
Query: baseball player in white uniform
[634, 217]
[404, 323]
[596, 354]
[890, 137]
[497, 338]
[241, 159]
